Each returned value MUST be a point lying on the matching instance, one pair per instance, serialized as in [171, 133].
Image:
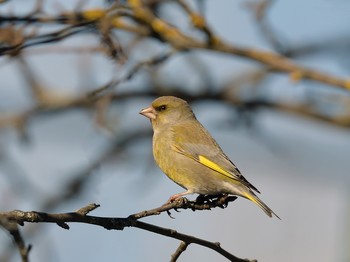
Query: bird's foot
[177, 196]
[173, 198]
[220, 200]
[209, 198]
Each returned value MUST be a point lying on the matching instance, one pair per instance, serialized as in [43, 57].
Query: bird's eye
[161, 108]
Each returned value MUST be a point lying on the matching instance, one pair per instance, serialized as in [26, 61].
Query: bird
[186, 152]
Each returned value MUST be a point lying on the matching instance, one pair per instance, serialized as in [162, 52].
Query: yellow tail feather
[252, 197]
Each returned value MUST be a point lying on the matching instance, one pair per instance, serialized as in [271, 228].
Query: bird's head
[167, 110]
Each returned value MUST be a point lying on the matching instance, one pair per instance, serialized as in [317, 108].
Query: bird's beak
[148, 112]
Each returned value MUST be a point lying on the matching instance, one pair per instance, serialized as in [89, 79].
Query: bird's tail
[252, 197]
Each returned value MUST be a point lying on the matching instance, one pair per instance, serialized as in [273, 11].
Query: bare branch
[142, 14]
[135, 69]
[182, 248]
[12, 228]
[115, 223]
[276, 62]
[183, 203]
[190, 239]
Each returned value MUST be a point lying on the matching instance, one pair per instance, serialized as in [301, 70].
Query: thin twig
[181, 248]
[135, 69]
[184, 203]
[12, 228]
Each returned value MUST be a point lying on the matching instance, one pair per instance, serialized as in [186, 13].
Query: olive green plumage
[185, 151]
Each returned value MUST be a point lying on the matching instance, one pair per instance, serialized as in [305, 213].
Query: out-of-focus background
[62, 147]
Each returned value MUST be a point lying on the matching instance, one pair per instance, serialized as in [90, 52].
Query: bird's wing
[201, 147]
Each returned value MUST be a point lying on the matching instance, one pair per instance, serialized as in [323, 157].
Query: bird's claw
[169, 214]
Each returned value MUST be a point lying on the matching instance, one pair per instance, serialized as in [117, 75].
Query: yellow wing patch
[205, 161]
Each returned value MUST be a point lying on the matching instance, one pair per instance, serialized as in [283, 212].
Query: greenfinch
[186, 152]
